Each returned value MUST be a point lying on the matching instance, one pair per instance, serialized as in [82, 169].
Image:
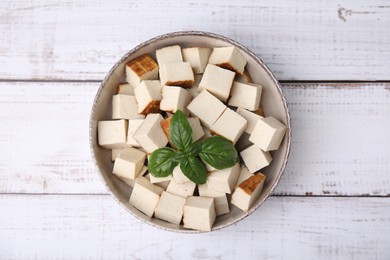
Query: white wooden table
[333, 59]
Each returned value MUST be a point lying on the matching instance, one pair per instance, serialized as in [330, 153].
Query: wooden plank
[340, 143]
[304, 40]
[95, 227]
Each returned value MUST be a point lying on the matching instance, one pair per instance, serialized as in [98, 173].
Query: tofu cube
[229, 125]
[170, 208]
[133, 125]
[112, 133]
[244, 175]
[199, 213]
[175, 98]
[245, 95]
[164, 184]
[248, 192]
[141, 68]
[150, 134]
[131, 182]
[148, 96]
[181, 189]
[229, 58]
[145, 196]
[209, 168]
[158, 180]
[197, 57]
[170, 54]
[125, 89]
[244, 78]
[177, 74]
[195, 88]
[255, 159]
[178, 176]
[125, 107]
[207, 108]
[217, 81]
[220, 199]
[250, 117]
[223, 180]
[129, 163]
[197, 129]
[268, 134]
[115, 152]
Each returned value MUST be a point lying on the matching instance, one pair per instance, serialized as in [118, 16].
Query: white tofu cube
[150, 134]
[131, 182]
[199, 213]
[163, 184]
[148, 96]
[223, 180]
[250, 117]
[175, 98]
[207, 108]
[170, 208]
[145, 196]
[177, 74]
[115, 152]
[169, 54]
[228, 58]
[220, 199]
[248, 192]
[129, 163]
[133, 125]
[268, 134]
[229, 125]
[245, 95]
[155, 180]
[217, 81]
[179, 176]
[141, 68]
[112, 133]
[197, 129]
[195, 88]
[198, 57]
[182, 189]
[255, 159]
[125, 89]
[205, 191]
[207, 133]
[244, 175]
[125, 107]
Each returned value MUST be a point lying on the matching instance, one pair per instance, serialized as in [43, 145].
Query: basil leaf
[219, 152]
[162, 161]
[180, 131]
[194, 149]
[194, 169]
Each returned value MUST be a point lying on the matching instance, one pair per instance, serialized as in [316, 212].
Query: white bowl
[273, 102]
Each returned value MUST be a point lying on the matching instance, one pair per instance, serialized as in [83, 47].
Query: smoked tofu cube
[125, 89]
[170, 208]
[150, 134]
[112, 133]
[181, 189]
[223, 180]
[248, 192]
[131, 182]
[158, 180]
[133, 125]
[244, 175]
[145, 196]
[199, 213]
[207, 108]
[197, 57]
[245, 95]
[129, 163]
[148, 96]
[217, 81]
[229, 125]
[177, 74]
[255, 159]
[229, 58]
[250, 117]
[141, 68]
[268, 134]
[197, 129]
[125, 107]
[178, 176]
[170, 54]
[220, 199]
[175, 98]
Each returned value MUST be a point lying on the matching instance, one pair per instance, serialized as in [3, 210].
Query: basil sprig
[216, 151]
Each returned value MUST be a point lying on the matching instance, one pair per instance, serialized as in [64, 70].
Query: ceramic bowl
[273, 102]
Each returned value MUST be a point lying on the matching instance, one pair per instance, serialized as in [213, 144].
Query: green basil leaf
[194, 169]
[162, 162]
[180, 131]
[194, 149]
[219, 152]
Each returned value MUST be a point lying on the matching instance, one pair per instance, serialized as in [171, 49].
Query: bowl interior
[272, 100]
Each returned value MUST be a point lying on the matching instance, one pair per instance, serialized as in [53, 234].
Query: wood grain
[299, 40]
[340, 143]
[96, 227]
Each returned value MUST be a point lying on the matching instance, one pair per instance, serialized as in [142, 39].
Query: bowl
[273, 102]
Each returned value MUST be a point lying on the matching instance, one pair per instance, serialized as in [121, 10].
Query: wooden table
[333, 59]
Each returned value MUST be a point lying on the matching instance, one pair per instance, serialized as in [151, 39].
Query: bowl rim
[209, 35]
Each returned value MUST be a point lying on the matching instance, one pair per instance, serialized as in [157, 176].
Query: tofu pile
[215, 91]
